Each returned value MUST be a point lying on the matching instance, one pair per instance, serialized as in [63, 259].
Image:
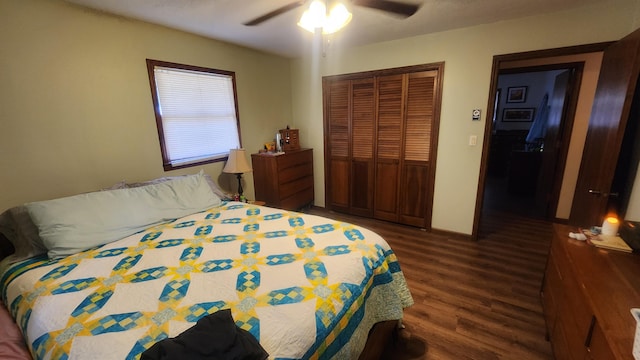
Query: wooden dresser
[284, 181]
[587, 294]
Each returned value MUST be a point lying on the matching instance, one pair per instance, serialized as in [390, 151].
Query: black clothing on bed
[213, 337]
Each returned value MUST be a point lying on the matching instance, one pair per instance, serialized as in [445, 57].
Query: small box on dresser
[285, 180]
[290, 139]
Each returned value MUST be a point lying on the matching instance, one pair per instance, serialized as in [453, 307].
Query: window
[196, 113]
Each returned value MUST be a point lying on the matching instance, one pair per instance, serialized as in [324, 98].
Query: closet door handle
[587, 341]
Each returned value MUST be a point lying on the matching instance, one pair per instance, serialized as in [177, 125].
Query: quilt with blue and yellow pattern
[305, 286]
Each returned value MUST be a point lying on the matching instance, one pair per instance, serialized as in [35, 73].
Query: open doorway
[531, 116]
[559, 163]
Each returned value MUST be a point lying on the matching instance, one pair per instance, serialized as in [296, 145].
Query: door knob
[599, 193]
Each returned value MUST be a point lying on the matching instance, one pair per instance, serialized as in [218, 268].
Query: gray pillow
[212, 184]
[76, 223]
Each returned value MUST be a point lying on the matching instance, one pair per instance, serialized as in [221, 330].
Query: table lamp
[237, 164]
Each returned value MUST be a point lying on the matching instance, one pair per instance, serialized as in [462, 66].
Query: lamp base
[239, 176]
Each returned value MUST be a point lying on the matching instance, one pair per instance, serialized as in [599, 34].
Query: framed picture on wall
[518, 115]
[517, 94]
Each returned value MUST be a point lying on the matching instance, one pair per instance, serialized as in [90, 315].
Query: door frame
[498, 67]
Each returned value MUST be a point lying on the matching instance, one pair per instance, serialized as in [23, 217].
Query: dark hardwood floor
[473, 299]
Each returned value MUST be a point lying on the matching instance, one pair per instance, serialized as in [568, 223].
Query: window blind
[198, 114]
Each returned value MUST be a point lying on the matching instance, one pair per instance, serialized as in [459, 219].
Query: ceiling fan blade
[274, 13]
[402, 9]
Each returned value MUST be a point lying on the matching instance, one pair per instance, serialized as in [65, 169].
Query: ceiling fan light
[314, 17]
[338, 18]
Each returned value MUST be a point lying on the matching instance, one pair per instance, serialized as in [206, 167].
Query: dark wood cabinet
[587, 295]
[284, 181]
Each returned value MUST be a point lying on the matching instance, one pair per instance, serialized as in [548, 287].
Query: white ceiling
[223, 19]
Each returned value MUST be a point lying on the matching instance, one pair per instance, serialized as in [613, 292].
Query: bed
[304, 286]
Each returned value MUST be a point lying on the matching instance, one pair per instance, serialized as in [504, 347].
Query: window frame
[151, 65]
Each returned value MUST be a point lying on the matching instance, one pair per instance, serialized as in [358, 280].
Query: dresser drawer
[598, 346]
[576, 309]
[298, 200]
[296, 172]
[294, 158]
[295, 186]
[551, 293]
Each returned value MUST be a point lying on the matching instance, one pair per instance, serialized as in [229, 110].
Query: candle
[610, 226]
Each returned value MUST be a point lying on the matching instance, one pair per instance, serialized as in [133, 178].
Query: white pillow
[76, 223]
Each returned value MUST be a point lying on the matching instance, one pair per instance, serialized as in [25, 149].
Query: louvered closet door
[380, 143]
[362, 146]
[389, 146]
[415, 184]
[350, 144]
[337, 144]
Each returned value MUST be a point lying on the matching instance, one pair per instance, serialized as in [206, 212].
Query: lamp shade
[237, 162]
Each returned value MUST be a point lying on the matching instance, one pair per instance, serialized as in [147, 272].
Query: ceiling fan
[393, 7]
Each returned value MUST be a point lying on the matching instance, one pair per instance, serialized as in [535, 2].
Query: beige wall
[633, 211]
[76, 114]
[468, 55]
[75, 106]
